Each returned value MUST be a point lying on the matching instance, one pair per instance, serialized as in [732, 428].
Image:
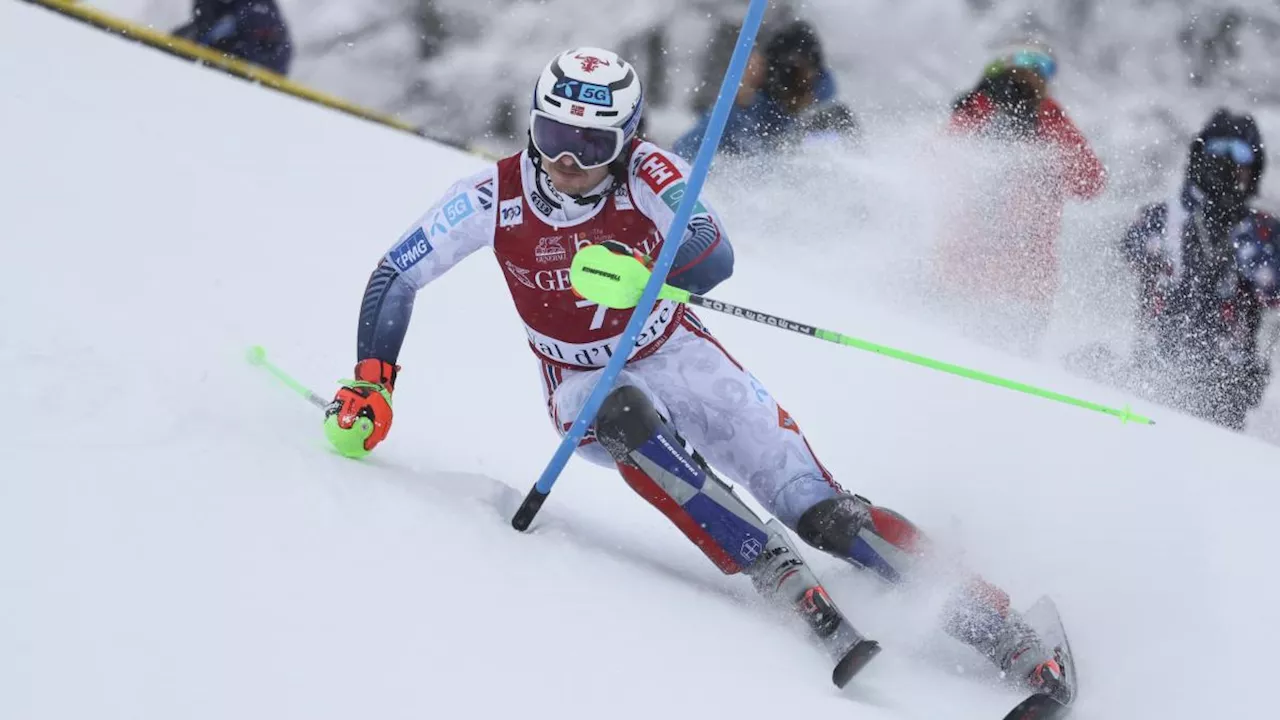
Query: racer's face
[570, 179]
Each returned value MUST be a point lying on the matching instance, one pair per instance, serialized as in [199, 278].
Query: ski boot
[874, 538]
[782, 575]
[1026, 663]
[980, 616]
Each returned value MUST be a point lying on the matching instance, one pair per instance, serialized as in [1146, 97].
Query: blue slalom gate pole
[697, 176]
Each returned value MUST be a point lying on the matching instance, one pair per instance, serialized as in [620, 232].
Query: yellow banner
[226, 63]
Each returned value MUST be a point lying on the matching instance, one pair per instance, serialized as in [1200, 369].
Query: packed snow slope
[177, 541]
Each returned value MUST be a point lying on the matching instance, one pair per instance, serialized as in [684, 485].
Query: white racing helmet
[587, 104]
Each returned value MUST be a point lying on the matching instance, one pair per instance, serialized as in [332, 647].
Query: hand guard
[360, 415]
[619, 248]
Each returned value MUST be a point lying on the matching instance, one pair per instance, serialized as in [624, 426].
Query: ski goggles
[590, 147]
[1041, 63]
[1240, 152]
[1044, 65]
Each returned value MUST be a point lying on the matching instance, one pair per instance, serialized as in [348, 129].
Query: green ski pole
[257, 355]
[615, 281]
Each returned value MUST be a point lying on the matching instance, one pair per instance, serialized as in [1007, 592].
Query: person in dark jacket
[252, 30]
[1206, 265]
[782, 88]
[826, 124]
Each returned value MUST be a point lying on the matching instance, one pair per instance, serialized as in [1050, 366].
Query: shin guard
[655, 463]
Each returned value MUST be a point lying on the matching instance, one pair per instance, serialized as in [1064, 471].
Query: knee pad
[627, 419]
[832, 524]
[852, 529]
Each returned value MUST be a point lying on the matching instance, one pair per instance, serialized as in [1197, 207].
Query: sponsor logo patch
[786, 422]
[457, 209]
[484, 191]
[510, 212]
[411, 250]
[520, 274]
[550, 250]
[552, 280]
[673, 197]
[540, 203]
[437, 225]
[583, 92]
[622, 198]
[658, 172]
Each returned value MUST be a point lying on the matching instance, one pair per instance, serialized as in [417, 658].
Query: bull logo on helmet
[590, 62]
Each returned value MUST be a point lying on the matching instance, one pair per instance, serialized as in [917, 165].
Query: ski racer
[682, 405]
[1206, 265]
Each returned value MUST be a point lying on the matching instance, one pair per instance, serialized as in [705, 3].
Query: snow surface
[176, 540]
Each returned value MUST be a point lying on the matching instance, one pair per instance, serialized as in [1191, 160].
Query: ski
[853, 661]
[1039, 707]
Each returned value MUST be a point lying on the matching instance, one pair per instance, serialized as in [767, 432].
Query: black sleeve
[1138, 238]
[203, 15]
[384, 314]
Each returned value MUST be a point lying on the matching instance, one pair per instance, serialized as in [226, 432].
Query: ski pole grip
[528, 509]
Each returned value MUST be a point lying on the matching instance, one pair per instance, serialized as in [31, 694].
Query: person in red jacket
[1002, 247]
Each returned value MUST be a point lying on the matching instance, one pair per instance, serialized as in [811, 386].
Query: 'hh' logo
[658, 172]
[550, 250]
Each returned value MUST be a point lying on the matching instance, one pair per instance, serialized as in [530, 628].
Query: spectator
[778, 86]
[826, 124]
[1012, 102]
[1207, 265]
[252, 30]
[1001, 246]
